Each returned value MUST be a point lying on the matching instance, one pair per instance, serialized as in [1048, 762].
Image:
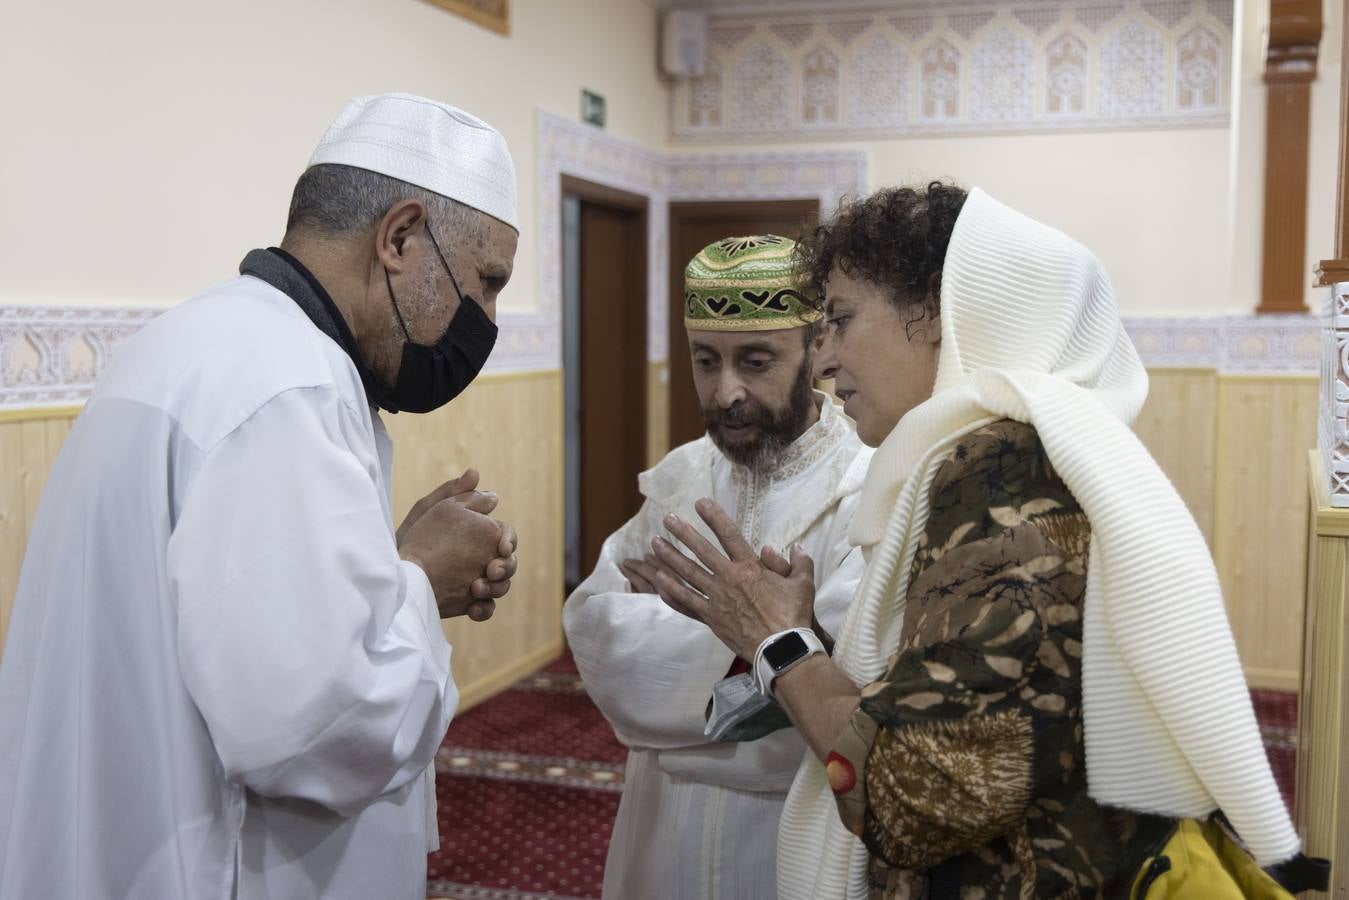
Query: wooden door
[692, 227]
[612, 325]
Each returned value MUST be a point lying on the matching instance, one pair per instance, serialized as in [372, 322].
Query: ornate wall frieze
[1333, 414]
[51, 355]
[1234, 344]
[813, 71]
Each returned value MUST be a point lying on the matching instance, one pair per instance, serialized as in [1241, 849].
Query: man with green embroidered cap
[698, 818]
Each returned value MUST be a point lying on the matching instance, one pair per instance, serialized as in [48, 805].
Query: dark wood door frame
[605, 195]
[610, 484]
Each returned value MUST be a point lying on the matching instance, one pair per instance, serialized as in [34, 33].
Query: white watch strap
[765, 674]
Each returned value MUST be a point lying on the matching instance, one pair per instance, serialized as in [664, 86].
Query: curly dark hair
[897, 238]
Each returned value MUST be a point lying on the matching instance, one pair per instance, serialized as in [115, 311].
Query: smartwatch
[781, 652]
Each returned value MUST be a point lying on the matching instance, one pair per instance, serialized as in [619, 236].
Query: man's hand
[741, 595]
[454, 544]
[641, 574]
[464, 489]
[496, 579]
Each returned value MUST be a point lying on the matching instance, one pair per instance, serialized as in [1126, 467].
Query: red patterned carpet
[1276, 711]
[529, 785]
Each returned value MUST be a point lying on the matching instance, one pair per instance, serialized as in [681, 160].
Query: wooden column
[1336, 269]
[1290, 67]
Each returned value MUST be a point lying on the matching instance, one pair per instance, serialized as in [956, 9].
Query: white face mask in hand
[734, 700]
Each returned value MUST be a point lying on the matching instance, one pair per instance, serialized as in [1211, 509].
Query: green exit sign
[592, 108]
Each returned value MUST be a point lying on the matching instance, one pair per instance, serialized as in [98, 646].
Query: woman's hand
[738, 595]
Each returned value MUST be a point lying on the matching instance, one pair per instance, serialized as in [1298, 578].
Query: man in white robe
[225, 676]
[698, 817]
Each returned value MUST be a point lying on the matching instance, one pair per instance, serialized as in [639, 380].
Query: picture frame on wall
[491, 14]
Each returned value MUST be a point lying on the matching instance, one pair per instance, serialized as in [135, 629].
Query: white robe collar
[686, 474]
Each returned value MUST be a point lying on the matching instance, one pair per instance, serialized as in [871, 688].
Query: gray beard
[761, 455]
[776, 434]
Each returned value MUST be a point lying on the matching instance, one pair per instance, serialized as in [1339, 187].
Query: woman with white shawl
[1037, 677]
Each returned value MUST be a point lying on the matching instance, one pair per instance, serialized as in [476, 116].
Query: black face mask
[431, 376]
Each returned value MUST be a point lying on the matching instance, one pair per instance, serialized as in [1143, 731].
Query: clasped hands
[468, 556]
[742, 596]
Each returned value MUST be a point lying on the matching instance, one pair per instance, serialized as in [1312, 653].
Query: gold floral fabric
[963, 769]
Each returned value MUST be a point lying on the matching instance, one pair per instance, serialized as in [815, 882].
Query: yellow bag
[1202, 861]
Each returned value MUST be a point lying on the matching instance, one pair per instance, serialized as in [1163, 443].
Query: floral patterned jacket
[963, 770]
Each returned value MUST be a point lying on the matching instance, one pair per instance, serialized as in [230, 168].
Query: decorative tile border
[1235, 344]
[1333, 415]
[526, 342]
[822, 70]
[51, 355]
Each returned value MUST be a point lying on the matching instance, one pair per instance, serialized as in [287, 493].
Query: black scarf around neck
[290, 276]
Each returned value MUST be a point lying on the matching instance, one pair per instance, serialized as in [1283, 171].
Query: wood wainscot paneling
[29, 442]
[509, 427]
[1179, 426]
[657, 412]
[1226, 441]
[1322, 790]
[1266, 425]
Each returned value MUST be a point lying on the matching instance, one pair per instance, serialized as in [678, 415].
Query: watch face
[785, 651]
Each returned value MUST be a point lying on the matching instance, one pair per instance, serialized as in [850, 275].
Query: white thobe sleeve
[649, 669]
[835, 594]
[314, 654]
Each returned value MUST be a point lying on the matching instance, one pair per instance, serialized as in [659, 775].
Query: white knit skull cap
[432, 145]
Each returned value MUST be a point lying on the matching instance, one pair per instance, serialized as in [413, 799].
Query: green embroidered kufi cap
[745, 284]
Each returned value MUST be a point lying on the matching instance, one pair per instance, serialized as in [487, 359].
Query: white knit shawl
[1031, 332]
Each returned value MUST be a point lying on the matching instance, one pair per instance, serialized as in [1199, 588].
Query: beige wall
[151, 143]
[1148, 203]
[200, 116]
[1175, 214]
[1151, 204]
